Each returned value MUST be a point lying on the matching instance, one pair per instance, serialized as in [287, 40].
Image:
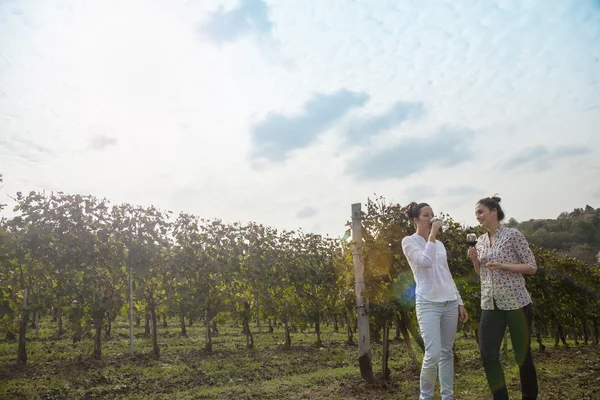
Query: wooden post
[364, 337]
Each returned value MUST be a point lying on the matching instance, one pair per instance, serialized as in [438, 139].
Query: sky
[287, 112]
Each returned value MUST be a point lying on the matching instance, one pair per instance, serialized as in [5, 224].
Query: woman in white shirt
[438, 302]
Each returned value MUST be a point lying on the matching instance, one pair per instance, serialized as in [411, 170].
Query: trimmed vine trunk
[350, 340]
[208, 345]
[538, 335]
[165, 321]
[574, 330]
[76, 325]
[542, 348]
[249, 337]
[37, 324]
[258, 324]
[412, 329]
[585, 332]
[59, 318]
[98, 317]
[182, 324]
[22, 350]
[34, 321]
[110, 318]
[288, 338]
[411, 352]
[456, 357]
[376, 333]
[318, 330]
[155, 349]
[271, 330]
[595, 324]
[335, 324]
[147, 326]
[109, 328]
[386, 351]
[563, 335]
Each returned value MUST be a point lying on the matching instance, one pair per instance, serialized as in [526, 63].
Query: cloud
[520, 68]
[368, 127]
[250, 17]
[279, 134]
[307, 212]
[543, 157]
[31, 145]
[526, 156]
[24, 149]
[419, 192]
[567, 151]
[446, 148]
[462, 190]
[100, 142]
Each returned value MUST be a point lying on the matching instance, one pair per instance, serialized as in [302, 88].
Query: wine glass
[471, 239]
[445, 224]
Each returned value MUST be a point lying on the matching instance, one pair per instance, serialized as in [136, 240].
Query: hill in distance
[575, 233]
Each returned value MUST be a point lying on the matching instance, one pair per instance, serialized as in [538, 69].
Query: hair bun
[409, 211]
[496, 199]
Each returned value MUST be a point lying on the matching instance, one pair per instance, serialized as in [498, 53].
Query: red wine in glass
[471, 239]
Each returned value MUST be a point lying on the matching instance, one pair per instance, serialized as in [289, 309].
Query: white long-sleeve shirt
[429, 265]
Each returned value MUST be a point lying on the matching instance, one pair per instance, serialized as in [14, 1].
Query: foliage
[73, 254]
[576, 233]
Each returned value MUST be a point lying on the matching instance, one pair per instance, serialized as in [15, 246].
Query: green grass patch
[59, 368]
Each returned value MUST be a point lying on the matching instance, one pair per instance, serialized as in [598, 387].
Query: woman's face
[424, 220]
[485, 216]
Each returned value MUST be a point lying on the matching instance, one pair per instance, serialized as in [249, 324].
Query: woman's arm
[528, 264]
[472, 253]
[516, 268]
[417, 256]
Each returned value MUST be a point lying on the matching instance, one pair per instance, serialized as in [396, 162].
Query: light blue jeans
[438, 323]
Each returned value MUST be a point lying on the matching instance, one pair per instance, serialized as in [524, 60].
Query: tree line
[575, 233]
[68, 257]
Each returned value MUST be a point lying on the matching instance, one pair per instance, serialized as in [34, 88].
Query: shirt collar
[499, 228]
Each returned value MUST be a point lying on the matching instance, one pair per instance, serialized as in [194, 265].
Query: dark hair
[493, 203]
[413, 210]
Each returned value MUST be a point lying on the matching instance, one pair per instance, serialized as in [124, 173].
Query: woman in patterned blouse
[501, 257]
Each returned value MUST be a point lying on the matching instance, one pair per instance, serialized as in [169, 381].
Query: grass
[59, 369]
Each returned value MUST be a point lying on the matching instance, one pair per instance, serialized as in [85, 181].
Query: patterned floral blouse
[507, 288]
